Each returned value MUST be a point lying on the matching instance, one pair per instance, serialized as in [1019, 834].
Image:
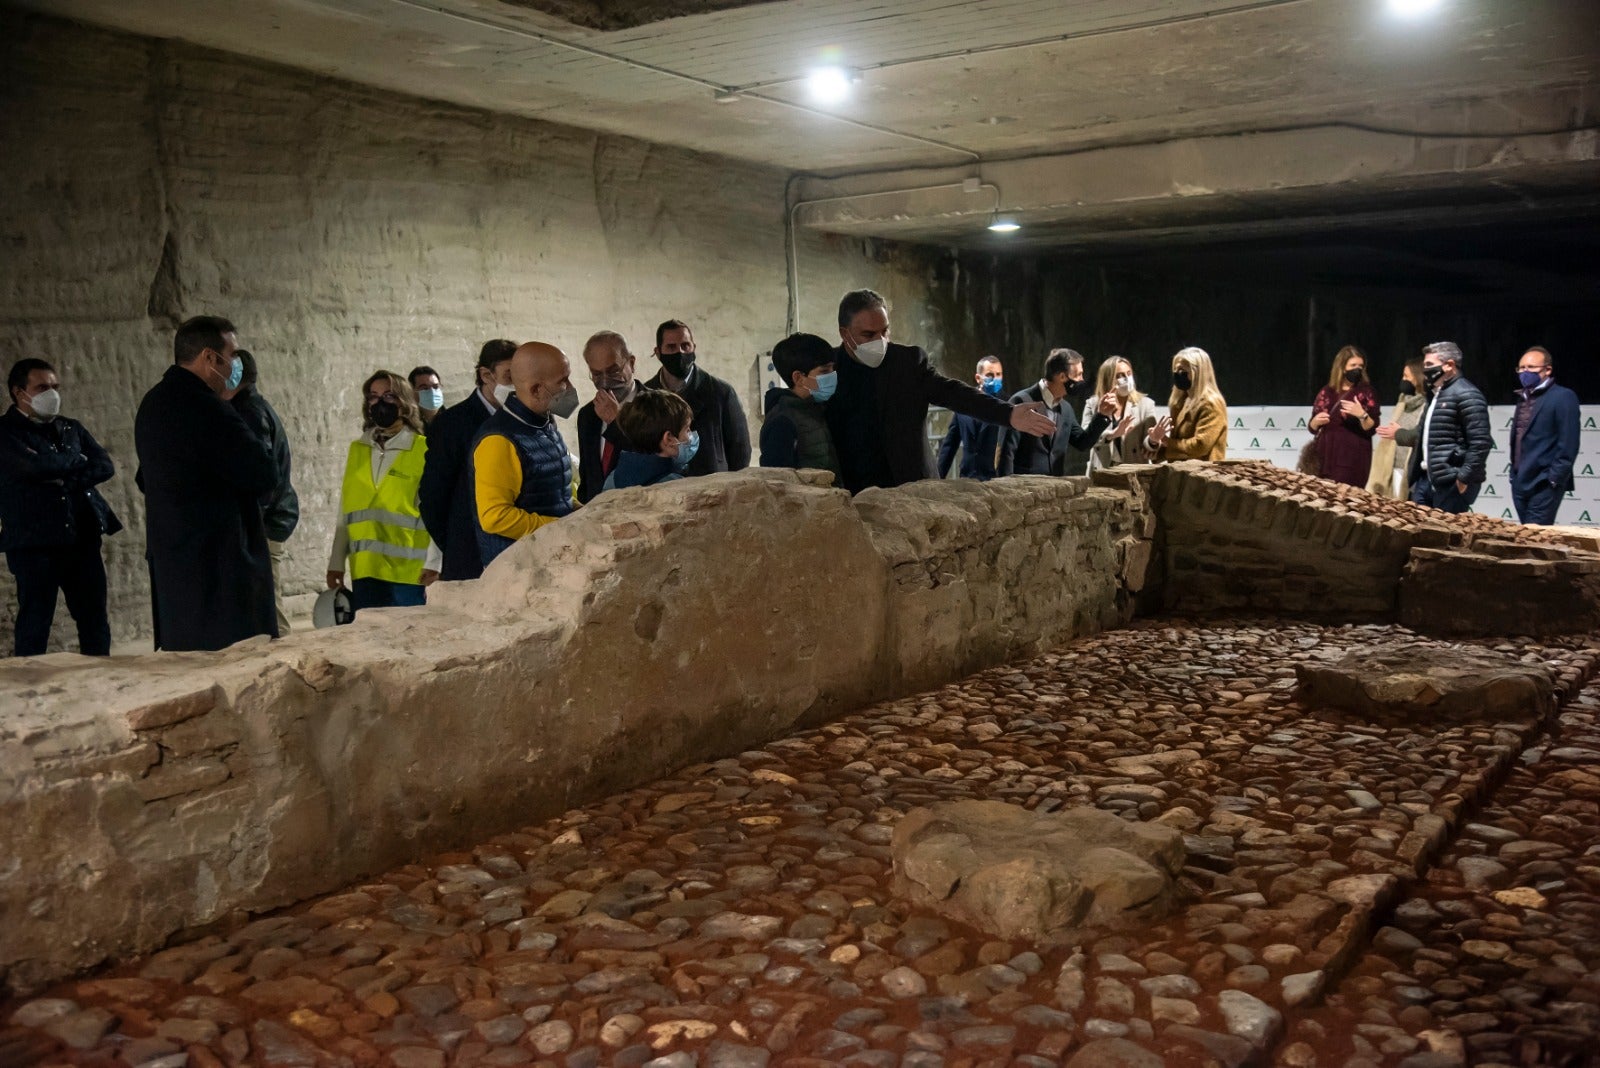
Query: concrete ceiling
[1082, 116]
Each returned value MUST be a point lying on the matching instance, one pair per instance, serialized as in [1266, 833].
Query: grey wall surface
[344, 229]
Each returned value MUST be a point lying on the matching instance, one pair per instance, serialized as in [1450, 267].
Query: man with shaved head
[521, 470]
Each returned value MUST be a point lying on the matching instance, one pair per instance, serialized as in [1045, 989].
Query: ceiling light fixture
[1004, 224]
[832, 84]
[1414, 9]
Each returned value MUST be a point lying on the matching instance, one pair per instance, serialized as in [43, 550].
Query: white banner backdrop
[1276, 434]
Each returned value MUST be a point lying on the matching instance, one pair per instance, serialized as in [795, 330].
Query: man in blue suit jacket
[979, 441]
[1544, 439]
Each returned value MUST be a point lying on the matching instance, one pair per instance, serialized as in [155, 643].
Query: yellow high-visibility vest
[387, 538]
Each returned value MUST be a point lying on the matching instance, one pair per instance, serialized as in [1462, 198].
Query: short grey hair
[1448, 351]
[985, 360]
[608, 338]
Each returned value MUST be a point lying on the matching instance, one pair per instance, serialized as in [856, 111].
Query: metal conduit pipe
[792, 237]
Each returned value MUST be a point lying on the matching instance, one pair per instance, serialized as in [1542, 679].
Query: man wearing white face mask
[521, 470]
[879, 412]
[51, 515]
[445, 497]
[204, 472]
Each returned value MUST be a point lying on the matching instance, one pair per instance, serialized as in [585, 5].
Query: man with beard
[718, 415]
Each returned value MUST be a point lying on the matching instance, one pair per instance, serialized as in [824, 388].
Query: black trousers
[74, 570]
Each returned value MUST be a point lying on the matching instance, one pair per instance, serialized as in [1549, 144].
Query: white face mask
[502, 394]
[46, 405]
[1124, 385]
[871, 353]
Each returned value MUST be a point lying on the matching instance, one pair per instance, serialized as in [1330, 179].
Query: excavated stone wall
[346, 229]
[151, 795]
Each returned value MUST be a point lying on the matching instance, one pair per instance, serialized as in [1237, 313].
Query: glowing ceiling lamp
[1414, 9]
[1004, 224]
[831, 84]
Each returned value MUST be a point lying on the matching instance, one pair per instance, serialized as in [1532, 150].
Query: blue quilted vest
[546, 468]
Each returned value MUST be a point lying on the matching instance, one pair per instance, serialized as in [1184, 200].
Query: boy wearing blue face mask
[979, 441]
[656, 426]
[795, 430]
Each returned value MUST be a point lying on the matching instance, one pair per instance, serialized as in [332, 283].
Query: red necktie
[608, 457]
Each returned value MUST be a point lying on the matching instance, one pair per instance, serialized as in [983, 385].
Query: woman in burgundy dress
[1344, 417]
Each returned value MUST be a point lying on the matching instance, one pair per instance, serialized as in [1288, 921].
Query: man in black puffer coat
[1451, 444]
[51, 515]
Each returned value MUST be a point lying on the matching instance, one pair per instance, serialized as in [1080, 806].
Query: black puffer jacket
[48, 475]
[1458, 433]
[280, 508]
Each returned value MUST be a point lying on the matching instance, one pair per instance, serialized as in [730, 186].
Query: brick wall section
[1233, 545]
[1246, 536]
[346, 229]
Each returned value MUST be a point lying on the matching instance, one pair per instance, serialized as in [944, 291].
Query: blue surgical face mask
[686, 450]
[994, 386]
[1529, 379]
[430, 400]
[235, 374]
[825, 387]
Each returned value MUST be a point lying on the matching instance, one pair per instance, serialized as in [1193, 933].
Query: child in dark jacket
[795, 430]
[655, 427]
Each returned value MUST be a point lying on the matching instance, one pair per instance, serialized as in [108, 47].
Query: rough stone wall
[346, 229]
[1244, 536]
[656, 628]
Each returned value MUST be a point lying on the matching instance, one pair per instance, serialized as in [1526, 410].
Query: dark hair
[420, 369]
[802, 353]
[18, 378]
[650, 414]
[493, 352]
[248, 360]
[1549, 360]
[856, 301]
[671, 324]
[1060, 362]
[198, 334]
[1414, 365]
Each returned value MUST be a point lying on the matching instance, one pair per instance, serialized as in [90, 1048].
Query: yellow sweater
[497, 482]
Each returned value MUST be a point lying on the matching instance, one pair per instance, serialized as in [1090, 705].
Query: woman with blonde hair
[380, 530]
[1197, 428]
[1343, 418]
[1123, 441]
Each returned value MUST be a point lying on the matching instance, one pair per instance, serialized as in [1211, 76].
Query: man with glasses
[204, 472]
[611, 369]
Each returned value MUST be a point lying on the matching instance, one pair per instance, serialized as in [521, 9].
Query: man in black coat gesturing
[204, 473]
[879, 413]
[445, 494]
[51, 515]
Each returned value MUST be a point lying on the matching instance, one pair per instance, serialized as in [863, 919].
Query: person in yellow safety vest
[380, 530]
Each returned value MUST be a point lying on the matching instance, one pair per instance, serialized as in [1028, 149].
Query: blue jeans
[381, 593]
[1538, 507]
[1447, 499]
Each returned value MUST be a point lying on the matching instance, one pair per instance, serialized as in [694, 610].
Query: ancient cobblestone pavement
[1495, 956]
[737, 913]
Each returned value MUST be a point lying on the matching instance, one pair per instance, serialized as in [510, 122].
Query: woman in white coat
[1124, 440]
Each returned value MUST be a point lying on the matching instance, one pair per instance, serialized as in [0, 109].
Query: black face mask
[1182, 380]
[384, 413]
[1077, 389]
[678, 364]
[1352, 376]
[1433, 374]
[1407, 389]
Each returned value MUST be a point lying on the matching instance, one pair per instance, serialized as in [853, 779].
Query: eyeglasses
[374, 398]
